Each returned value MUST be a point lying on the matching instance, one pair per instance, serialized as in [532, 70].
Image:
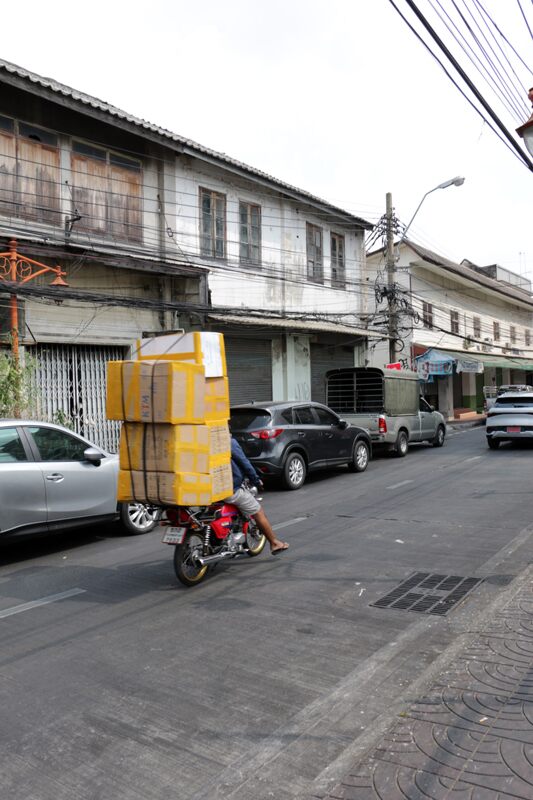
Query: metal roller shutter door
[249, 369]
[323, 358]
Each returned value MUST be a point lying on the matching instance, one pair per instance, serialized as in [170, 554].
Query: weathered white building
[478, 328]
[156, 232]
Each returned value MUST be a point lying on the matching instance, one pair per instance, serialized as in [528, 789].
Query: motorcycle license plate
[513, 429]
[174, 535]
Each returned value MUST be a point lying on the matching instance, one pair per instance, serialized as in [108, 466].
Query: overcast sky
[336, 97]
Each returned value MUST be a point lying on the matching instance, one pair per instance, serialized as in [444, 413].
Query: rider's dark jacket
[241, 467]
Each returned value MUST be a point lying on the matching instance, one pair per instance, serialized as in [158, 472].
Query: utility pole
[391, 274]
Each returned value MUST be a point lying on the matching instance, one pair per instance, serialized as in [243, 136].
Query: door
[428, 421]
[22, 492]
[249, 364]
[75, 488]
[308, 434]
[336, 443]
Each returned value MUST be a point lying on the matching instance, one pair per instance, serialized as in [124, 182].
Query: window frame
[427, 315]
[249, 260]
[527, 337]
[513, 338]
[29, 430]
[336, 281]
[454, 322]
[316, 273]
[496, 331]
[214, 194]
[476, 327]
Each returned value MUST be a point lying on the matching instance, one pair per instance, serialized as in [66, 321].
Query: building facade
[157, 233]
[462, 326]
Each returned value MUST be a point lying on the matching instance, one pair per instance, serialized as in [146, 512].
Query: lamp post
[16, 268]
[526, 130]
[391, 263]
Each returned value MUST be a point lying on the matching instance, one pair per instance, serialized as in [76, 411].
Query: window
[315, 271]
[496, 331]
[212, 224]
[527, 337]
[454, 321]
[106, 192]
[338, 268]
[56, 445]
[11, 447]
[512, 334]
[425, 406]
[286, 415]
[304, 416]
[29, 171]
[325, 417]
[476, 321]
[249, 234]
[427, 315]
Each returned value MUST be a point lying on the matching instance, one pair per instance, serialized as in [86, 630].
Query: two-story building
[156, 233]
[462, 326]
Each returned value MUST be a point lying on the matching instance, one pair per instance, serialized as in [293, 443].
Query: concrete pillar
[291, 368]
[506, 376]
[445, 389]
[469, 390]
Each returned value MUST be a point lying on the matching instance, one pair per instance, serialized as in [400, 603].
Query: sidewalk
[471, 736]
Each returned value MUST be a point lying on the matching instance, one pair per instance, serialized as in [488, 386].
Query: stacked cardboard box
[175, 445]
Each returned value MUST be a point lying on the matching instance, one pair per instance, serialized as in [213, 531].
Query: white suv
[510, 418]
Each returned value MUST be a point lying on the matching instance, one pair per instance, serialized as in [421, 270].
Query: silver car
[52, 479]
[510, 418]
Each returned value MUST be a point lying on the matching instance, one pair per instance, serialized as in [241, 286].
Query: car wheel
[360, 458]
[294, 471]
[137, 518]
[402, 445]
[438, 440]
[493, 443]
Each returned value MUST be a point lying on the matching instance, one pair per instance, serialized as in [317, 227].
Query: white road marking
[397, 485]
[43, 601]
[473, 458]
[289, 522]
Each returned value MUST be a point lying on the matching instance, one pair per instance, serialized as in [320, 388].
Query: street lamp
[458, 181]
[526, 130]
[16, 268]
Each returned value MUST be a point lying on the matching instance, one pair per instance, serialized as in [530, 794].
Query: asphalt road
[270, 678]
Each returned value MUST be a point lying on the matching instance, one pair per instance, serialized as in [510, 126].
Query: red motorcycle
[204, 536]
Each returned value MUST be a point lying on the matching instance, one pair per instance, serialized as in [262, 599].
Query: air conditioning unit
[488, 339]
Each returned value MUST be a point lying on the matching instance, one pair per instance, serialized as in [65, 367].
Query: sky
[337, 98]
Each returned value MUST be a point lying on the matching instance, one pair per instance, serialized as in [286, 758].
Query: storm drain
[428, 593]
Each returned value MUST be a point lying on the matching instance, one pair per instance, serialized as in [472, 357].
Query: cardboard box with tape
[175, 488]
[205, 348]
[174, 448]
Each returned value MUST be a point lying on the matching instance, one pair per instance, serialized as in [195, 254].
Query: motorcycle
[205, 536]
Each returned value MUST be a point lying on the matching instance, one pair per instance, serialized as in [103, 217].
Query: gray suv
[289, 439]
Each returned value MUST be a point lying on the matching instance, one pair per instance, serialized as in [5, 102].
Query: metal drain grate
[428, 593]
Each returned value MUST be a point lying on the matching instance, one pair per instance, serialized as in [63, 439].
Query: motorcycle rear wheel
[255, 540]
[187, 569]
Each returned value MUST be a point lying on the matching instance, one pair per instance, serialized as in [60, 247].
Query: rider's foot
[278, 547]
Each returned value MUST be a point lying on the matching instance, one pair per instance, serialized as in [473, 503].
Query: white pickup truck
[388, 404]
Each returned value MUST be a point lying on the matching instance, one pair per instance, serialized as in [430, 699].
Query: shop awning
[441, 362]
[285, 323]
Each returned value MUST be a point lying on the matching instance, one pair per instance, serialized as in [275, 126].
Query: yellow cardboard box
[175, 488]
[205, 348]
[156, 391]
[216, 399]
[174, 448]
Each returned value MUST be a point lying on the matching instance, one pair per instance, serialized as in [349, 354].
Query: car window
[325, 417]
[246, 419]
[304, 416]
[11, 447]
[286, 415]
[516, 402]
[57, 445]
[424, 405]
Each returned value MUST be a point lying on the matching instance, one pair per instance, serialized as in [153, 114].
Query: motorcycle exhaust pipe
[205, 560]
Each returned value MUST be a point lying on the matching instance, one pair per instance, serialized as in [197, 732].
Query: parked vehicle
[203, 537]
[387, 403]
[52, 479]
[289, 439]
[510, 419]
[490, 393]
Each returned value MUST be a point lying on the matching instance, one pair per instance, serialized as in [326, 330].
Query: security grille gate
[71, 388]
[249, 369]
[323, 358]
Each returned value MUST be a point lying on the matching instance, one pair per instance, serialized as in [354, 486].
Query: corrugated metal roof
[295, 325]
[464, 271]
[113, 111]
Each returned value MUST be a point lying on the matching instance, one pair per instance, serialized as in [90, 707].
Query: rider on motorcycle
[245, 500]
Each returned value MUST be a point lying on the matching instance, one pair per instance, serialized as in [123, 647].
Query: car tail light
[382, 425]
[267, 433]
